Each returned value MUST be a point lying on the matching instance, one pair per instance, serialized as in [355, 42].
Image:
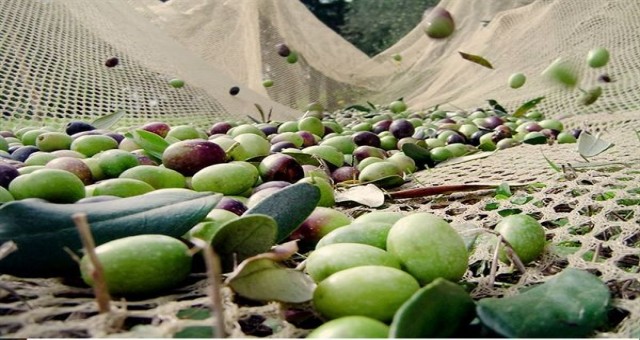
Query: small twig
[596, 253]
[514, 257]
[444, 189]
[99, 284]
[214, 272]
[494, 262]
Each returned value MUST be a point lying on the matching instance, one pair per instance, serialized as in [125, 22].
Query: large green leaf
[42, 230]
[437, 310]
[572, 304]
[244, 237]
[289, 207]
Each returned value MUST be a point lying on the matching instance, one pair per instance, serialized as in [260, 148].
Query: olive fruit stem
[214, 271]
[100, 285]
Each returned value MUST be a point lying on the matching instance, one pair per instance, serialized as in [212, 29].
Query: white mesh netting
[52, 70]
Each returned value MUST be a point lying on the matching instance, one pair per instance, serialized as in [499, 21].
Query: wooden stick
[214, 271]
[443, 189]
[99, 284]
[494, 262]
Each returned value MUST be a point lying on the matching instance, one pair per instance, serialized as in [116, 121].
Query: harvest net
[52, 70]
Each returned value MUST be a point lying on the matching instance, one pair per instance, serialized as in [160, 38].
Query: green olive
[142, 264]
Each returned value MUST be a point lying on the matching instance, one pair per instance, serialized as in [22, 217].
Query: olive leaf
[369, 195]
[195, 332]
[262, 278]
[496, 106]
[571, 304]
[390, 181]
[357, 107]
[244, 237]
[476, 59]
[301, 157]
[590, 146]
[419, 154]
[503, 191]
[437, 310]
[289, 207]
[42, 230]
[109, 120]
[153, 144]
[524, 108]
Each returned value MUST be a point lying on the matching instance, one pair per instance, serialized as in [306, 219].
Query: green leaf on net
[553, 165]
[437, 310]
[193, 313]
[503, 190]
[476, 59]
[527, 106]
[590, 146]
[195, 332]
[571, 304]
[109, 120]
[357, 107]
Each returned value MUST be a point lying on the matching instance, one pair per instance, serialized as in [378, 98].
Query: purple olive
[231, 204]
[307, 138]
[365, 151]
[77, 126]
[111, 62]
[475, 137]
[271, 184]
[143, 157]
[532, 126]
[23, 152]
[190, 156]
[117, 136]
[456, 139]
[576, 132]
[492, 122]
[366, 138]
[446, 120]
[268, 129]
[401, 128]
[234, 90]
[279, 146]
[280, 167]
[159, 128]
[7, 174]
[283, 50]
[381, 126]
[220, 127]
[345, 173]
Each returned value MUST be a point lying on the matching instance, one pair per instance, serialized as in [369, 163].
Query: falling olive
[111, 62]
